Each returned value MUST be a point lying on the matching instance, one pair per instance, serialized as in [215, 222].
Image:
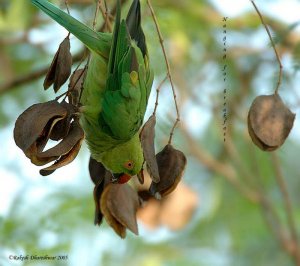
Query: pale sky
[10, 183]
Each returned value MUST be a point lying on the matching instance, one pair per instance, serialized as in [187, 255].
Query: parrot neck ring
[120, 178]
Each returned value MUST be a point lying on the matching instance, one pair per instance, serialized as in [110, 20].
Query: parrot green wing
[129, 78]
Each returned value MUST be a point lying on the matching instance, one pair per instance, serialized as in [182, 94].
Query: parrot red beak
[124, 179]
[120, 178]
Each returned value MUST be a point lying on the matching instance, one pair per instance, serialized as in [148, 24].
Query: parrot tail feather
[93, 40]
[133, 21]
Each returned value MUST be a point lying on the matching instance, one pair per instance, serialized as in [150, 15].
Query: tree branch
[287, 204]
[35, 75]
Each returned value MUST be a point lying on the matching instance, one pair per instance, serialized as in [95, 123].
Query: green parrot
[116, 88]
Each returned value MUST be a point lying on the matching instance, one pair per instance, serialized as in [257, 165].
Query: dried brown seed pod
[100, 177]
[60, 68]
[147, 141]
[269, 122]
[171, 164]
[75, 86]
[62, 127]
[119, 204]
[66, 150]
[97, 171]
[98, 190]
[32, 127]
[38, 123]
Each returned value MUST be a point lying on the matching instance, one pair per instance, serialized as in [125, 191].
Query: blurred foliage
[230, 226]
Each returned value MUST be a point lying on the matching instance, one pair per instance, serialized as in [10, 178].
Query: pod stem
[67, 6]
[96, 13]
[273, 45]
[68, 11]
[169, 76]
[105, 15]
[157, 94]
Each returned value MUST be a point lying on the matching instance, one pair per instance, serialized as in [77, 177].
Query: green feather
[97, 42]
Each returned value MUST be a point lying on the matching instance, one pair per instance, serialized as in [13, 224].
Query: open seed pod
[66, 151]
[171, 164]
[119, 204]
[60, 68]
[100, 177]
[62, 127]
[42, 121]
[34, 125]
[269, 122]
[147, 141]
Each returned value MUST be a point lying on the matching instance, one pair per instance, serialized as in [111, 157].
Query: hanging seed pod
[100, 177]
[62, 127]
[119, 204]
[64, 147]
[34, 125]
[171, 164]
[66, 150]
[97, 171]
[147, 141]
[75, 86]
[98, 190]
[42, 121]
[269, 122]
[60, 68]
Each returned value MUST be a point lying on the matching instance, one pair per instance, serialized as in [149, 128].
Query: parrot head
[125, 160]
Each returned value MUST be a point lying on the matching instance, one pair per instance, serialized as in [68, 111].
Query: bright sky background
[12, 157]
[288, 11]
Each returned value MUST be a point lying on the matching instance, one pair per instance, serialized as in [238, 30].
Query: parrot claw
[114, 179]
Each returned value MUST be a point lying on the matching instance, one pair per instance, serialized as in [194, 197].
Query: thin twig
[107, 20]
[61, 95]
[85, 70]
[104, 12]
[273, 45]
[70, 89]
[168, 69]
[67, 6]
[157, 93]
[96, 13]
[287, 203]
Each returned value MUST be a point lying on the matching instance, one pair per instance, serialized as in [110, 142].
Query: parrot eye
[129, 165]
